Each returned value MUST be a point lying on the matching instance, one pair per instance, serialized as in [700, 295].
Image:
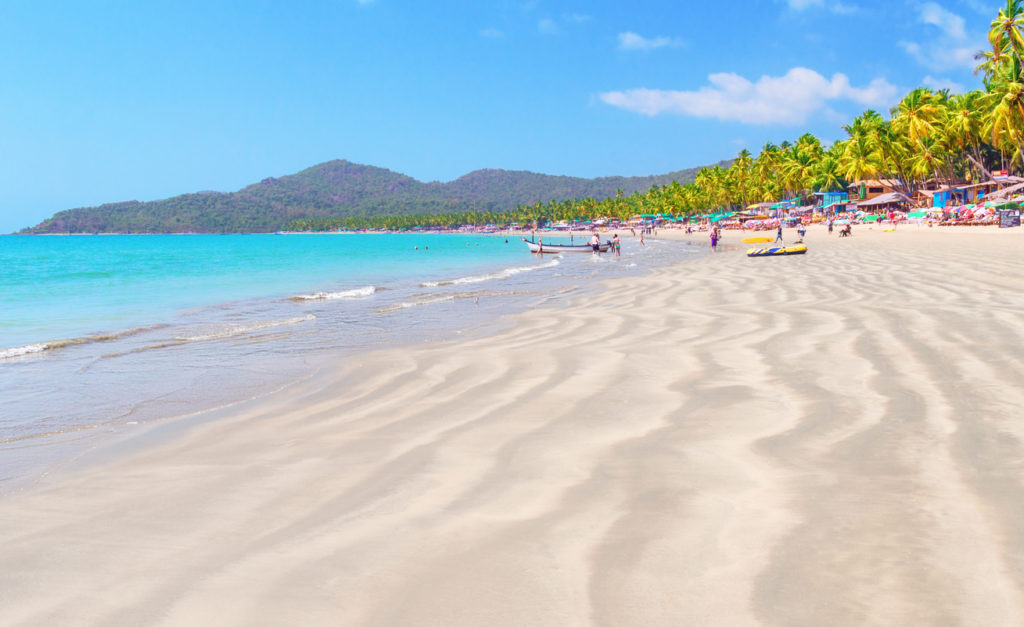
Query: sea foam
[234, 330]
[501, 274]
[361, 292]
[49, 345]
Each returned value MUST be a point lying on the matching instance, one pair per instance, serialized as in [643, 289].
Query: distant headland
[342, 189]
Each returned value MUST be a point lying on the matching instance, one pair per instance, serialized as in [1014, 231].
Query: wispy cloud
[943, 83]
[547, 26]
[836, 6]
[789, 99]
[491, 33]
[988, 9]
[953, 49]
[948, 22]
[632, 41]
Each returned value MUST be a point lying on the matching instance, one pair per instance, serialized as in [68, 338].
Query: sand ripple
[831, 439]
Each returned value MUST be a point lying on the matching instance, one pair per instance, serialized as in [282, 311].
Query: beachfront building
[885, 202]
[868, 189]
[971, 193]
[832, 201]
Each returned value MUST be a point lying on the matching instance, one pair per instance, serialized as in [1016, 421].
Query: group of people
[614, 244]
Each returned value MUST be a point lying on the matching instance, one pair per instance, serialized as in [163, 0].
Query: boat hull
[563, 248]
[777, 251]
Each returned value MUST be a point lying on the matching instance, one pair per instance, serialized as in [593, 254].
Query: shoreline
[29, 456]
[824, 439]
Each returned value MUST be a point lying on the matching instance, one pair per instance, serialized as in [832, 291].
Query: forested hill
[339, 189]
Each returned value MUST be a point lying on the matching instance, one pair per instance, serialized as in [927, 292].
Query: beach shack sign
[1009, 218]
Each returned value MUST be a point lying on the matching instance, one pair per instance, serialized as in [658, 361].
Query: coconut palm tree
[1005, 125]
[919, 114]
[964, 125]
[860, 158]
[827, 175]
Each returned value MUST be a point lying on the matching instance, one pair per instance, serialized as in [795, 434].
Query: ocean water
[99, 334]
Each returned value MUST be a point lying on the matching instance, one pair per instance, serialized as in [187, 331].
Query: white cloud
[950, 23]
[547, 26]
[788, 99]
[940, 57]
[988, 9]
[491, 33]
[578, 18]
[954, 49]
[632, 41]
[943, 83]
[835, 6]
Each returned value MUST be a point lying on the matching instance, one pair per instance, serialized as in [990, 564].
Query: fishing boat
[776, 251]
[563, 248]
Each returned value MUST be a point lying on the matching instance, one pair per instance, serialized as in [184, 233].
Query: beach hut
[831, 201]
[869, 189]
[883, 202]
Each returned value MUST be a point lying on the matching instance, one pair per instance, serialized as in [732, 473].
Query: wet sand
[826, 439]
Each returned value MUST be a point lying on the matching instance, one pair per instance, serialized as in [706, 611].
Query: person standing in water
[595, 243]
[617, 244]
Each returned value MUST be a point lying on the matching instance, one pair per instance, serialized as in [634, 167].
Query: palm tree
[918, 114]
[1006, 122]
[860, 159]
[826, 175]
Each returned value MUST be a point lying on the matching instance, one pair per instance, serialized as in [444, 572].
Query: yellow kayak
[777, 251]
[758, 240]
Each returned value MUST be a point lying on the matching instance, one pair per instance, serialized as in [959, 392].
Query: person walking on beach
[714, 238]
[642, 238]
[831, 221]
[802, 231]
[617, 244]
[778, 235]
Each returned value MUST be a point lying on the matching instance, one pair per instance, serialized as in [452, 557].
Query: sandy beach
[827, 439]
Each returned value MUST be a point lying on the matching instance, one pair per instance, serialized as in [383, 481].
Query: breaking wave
[234, 330]
[502, 274]
[39, 347]
[361, 292]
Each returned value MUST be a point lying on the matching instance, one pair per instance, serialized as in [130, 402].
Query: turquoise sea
[99, 333]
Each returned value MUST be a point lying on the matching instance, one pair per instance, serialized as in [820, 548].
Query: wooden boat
[564, 248]
[777, 251]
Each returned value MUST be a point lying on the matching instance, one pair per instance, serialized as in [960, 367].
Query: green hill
[339, 189]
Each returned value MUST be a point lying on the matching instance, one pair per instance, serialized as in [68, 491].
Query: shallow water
[100, 333]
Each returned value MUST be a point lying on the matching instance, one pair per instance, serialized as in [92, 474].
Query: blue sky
[110, 101]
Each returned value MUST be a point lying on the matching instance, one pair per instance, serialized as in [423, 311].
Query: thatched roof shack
[869, 189]
[967, 193]
[1006, 193]
[891, 200]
